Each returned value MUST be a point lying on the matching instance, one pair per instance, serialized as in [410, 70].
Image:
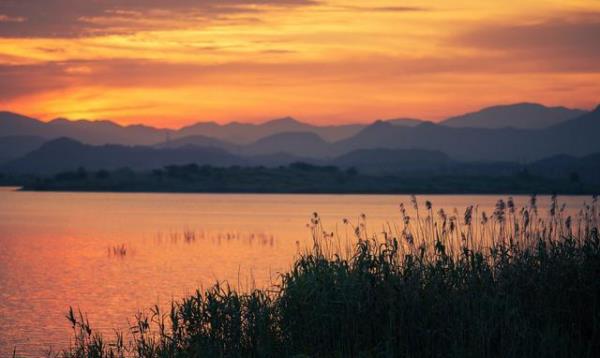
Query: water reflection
[215, 237]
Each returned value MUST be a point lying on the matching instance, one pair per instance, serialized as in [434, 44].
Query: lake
[111, 255]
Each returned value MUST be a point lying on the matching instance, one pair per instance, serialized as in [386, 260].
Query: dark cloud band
[76, 18]
[572, 39]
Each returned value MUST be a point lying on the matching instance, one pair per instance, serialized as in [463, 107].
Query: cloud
[24, 80]
[4, 18]
[386, 8]
[170, 92]
[566, 44]
[76, 18]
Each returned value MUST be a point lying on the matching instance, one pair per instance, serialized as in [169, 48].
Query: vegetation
[514, 283]
[16, 180]
[301, 178]
[117, 250]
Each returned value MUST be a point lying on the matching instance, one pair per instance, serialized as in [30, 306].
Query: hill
[394, 161]
[405, 122]
[12, 147]
[199, 141]
[66, 154]
[520, 115]
[301, 144]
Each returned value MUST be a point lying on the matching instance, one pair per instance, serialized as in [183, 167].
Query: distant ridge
[519, 115]
[523, 116]
[91, 132]
[406, 122]
[295, 143]
[393, 160]
[12, 147]
[108, 132]
[246, 133]
[67, 154]
[199, 141]
[578, 136]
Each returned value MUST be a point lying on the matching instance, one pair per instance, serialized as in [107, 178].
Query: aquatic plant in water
[511, 283]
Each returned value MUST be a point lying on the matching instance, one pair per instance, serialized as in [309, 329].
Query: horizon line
[289, 117]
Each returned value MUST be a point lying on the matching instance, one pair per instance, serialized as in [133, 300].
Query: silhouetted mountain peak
[306, 144]
[376, 129]
[198, 140]
[284, 124]
[85, 122]
[427, 125]
[283, 120]
[379, 124]
[143, 126]
[405, 122]
[12, 116]
[64, 145]
[517, 105]
[59, 120]
[292, 136]
[202, 124]
[518, 115]
[61, 142]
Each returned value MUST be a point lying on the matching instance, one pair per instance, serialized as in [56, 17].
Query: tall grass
[512, 283]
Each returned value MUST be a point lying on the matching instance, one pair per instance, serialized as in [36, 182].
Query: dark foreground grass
[510, 284]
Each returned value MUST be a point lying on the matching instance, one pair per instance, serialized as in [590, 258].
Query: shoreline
[373, 193]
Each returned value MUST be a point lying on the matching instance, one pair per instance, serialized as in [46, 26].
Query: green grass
[513, 283]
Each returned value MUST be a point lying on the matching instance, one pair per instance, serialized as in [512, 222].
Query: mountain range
[578, 136]
[246, 133]
[519, 133]
[522, 115]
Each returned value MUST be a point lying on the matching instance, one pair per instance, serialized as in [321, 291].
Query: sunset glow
[169, 63]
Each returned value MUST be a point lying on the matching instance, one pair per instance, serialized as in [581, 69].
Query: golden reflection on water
[114, 254]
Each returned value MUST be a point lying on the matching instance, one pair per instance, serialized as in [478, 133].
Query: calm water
[56, 250]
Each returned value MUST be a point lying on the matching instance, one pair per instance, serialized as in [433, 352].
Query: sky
[172, 62]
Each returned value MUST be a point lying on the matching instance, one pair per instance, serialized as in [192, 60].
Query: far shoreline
[299, 179]
[369, 193]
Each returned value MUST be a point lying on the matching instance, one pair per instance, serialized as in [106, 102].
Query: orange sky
[172, 62]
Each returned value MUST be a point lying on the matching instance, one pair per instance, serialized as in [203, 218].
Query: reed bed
[216, 237]
[512, 283]
[117, 250]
